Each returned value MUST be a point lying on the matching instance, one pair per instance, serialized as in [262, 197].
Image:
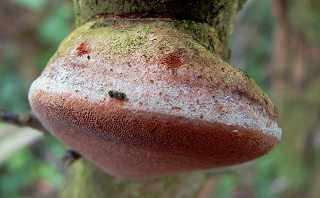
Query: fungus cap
[143, 99]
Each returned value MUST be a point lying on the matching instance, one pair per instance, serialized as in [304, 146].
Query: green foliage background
[31, 166]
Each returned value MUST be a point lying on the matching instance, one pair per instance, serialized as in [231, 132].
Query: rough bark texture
[84, 179]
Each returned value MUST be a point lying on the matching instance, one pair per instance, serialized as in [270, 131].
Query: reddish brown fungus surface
[172, 60]
[135, 144]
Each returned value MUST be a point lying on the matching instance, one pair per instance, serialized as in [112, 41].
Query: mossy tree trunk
[85, 180]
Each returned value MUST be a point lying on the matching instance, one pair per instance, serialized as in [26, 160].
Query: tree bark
[84, 179]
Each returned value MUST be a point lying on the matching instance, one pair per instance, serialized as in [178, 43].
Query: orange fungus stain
[172, 60]
[83, 49]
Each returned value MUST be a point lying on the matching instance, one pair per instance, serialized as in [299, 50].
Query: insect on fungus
[117, 95]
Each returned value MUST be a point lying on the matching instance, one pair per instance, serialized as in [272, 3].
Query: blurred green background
[280, 51]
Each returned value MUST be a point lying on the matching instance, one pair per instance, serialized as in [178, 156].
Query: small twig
[70, 157]
[21, 120]
[29, 120]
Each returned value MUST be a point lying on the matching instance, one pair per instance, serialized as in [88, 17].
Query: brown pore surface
[136, 144]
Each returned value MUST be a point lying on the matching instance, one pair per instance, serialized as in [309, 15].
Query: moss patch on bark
[217, 13]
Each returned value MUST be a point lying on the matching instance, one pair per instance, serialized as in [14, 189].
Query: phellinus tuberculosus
[142, 97]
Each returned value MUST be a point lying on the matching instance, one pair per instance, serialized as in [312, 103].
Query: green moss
[123, 36]
[128, 37]
[218, 13]
[128, 42]
[204, 34]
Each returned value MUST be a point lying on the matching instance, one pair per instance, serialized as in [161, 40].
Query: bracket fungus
[151, 100]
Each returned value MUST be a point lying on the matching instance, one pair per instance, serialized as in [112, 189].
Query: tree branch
[21, 120]
[29, 120]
